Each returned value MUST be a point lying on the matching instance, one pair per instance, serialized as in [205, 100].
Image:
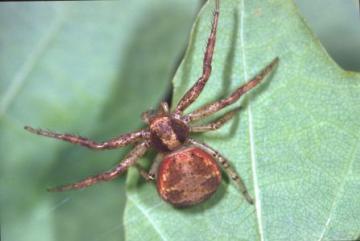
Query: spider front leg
[220, 104]
[217, 123]
[231, 172]
[152, 174]
[148, 115]
[129, 160]
[116, 142]
[196, 89]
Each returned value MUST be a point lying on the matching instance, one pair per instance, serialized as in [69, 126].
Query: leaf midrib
[250, 126]
[253, 151]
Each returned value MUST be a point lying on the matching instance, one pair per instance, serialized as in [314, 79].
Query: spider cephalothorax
[187, 171]
[167, 133]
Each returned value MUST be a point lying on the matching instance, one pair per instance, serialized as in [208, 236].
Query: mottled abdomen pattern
[188, 176]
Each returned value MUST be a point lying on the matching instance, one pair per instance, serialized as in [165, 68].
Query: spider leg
[196, 89]
[163, 109]
[155, 166]
[217, 123]
[220, 104]
[116, 142]
[145, 116]
[129, 160]
[231, 172]
[152, 174]
[144, 173]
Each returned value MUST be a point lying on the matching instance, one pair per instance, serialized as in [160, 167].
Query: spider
[187, 171]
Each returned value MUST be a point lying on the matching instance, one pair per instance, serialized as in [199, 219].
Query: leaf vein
[148, 217]
[337, 196]
[250, 124]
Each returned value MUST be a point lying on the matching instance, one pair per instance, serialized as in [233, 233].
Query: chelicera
[187, 171]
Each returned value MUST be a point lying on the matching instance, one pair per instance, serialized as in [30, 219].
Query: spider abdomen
[167, 134]
[188, 176]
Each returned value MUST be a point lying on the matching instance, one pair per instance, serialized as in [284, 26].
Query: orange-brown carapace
[188, 176]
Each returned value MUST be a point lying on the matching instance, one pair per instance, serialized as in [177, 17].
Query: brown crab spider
[187, 171]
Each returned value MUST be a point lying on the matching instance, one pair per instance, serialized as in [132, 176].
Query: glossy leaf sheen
[295, 143]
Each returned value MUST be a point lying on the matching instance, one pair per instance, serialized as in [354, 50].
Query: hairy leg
[215, 124]
[163, 109]
[116, 142]
[144, 173]
[226, 166]
[129, 160]
[152, 174]
[155, 166]
[220, 104]
[196, 89]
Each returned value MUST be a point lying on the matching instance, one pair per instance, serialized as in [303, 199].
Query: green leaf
[295, 143]
[87, 68]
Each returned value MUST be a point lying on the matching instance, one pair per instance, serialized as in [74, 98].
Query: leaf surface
[88, 68]
[296, 142]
